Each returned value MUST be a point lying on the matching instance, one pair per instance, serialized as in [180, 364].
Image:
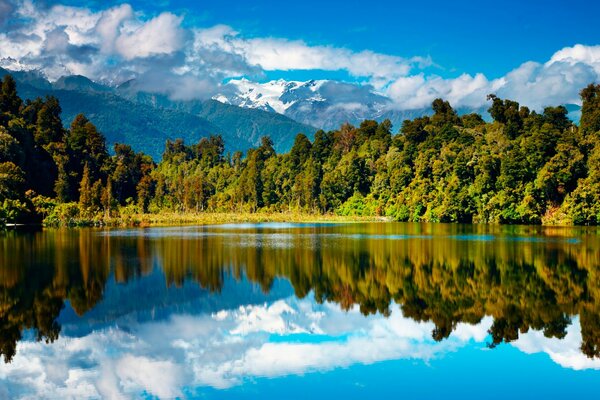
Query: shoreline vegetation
[523, 167]
[212, 218]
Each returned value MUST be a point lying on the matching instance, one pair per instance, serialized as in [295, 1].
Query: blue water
[300, 311]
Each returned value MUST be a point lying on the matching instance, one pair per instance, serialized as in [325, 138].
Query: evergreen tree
[107, 197]
[590, 110]
[49, 127]
[10, 103]
[86, 192]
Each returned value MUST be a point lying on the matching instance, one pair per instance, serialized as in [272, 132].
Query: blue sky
[537, 52]
[491, 37]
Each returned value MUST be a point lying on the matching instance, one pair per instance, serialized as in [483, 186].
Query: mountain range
[145, 121]
[323, 103]
[327, 104]
[243, 113]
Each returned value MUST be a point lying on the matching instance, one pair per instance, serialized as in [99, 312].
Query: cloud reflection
[186, 352]
[220, 350]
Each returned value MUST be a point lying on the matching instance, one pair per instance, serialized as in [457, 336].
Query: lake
[300, 311]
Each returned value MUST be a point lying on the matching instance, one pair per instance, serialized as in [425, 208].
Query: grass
[211, 218]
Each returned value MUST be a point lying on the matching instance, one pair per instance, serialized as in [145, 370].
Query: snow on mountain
[322, 103]
[275, 96]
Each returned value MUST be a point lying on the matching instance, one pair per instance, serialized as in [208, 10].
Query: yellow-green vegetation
[524, 167]
[211, 218]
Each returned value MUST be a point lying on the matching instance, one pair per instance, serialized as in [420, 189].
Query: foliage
[523, 168]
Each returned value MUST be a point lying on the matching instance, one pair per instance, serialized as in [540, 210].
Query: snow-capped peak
[323, 103]
[277, 95]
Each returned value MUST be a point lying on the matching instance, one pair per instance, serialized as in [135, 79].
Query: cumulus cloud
[588, 55]
[160, 35]
[279, 54]
[162, 378]
[119, 43]
[418, 91]
[558, 81]
[61, 29]
[538, 85]
[109, 24]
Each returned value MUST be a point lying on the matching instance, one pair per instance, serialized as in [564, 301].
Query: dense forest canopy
[524, 167]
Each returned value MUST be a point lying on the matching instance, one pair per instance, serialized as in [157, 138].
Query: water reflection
[422, 290]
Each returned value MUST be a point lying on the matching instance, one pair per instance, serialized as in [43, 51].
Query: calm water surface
[300, 311]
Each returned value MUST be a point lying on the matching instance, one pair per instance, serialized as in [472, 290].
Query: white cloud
[589, 55]
[161, 378]
[160, 35]
[419, 91]
[279, 54]
[109, 24]
[52, 39]
[536, 85]
[120, 43]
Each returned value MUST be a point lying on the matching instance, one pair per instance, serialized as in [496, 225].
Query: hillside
[146, 121]
[248, 124]
[144, 127]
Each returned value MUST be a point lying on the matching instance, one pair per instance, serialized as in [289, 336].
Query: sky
[410, 52]
[491, 37]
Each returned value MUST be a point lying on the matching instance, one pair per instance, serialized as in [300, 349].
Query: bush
[65, 214]
[11, 210]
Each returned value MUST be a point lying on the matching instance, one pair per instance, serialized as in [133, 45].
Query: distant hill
[246, 123]
[143, 122]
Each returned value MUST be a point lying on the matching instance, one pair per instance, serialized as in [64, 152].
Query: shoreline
[172, 219]
[211, 218]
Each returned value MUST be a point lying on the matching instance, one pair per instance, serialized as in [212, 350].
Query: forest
[523, 167]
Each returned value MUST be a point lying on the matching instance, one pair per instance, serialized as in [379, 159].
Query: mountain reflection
[524, 277]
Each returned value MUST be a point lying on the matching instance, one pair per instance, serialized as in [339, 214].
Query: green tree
[10, 149]
[86, 195]
[86, 146]
[590, 109]
[12, 180]
[300, 152]
[49, 127]
[10, 103]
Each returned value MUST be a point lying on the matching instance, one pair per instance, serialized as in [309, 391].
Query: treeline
[524, 167]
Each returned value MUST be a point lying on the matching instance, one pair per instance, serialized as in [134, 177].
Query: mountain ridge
[145, 121]
[325, 103]
[329, 104]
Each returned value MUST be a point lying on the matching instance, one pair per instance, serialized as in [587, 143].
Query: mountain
[143, 127]
[79, 82]
[323, 103]
[146, 121]
[247, 123]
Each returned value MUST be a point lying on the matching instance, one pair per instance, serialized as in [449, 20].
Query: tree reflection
[445, 279]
